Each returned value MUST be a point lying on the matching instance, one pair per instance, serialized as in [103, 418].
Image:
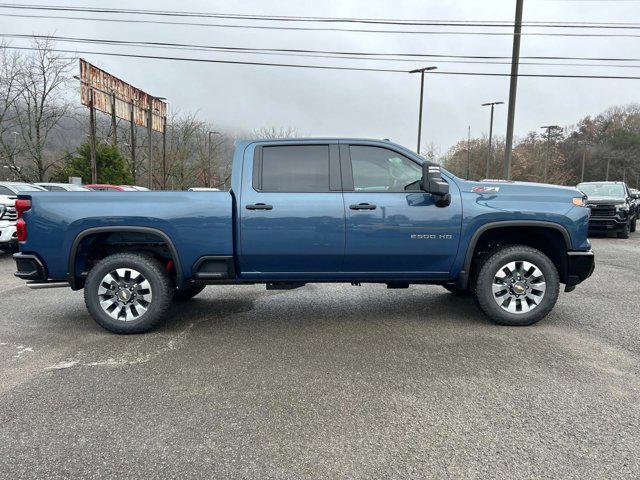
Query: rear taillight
[21, 227]
[22, 206]
[21, 230]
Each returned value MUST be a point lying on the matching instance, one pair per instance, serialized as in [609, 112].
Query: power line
[324, 67]
[292, 18]
[300, 52]
[319, 29]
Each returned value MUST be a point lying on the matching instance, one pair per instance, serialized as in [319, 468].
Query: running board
[39, 285]
[285, 285]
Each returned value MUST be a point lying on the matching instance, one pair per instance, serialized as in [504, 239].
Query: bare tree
[269, 133]
[10, 89]
[40, 107]
[182, 141]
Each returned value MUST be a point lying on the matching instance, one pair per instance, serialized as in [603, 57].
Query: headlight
[578, 201]
[622, 207]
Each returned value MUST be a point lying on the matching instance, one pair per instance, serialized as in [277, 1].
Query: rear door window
[294, 168]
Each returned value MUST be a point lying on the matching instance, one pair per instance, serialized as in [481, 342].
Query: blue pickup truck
[310, 210]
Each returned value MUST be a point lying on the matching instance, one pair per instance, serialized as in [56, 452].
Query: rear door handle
[362, 206]
[259, 206]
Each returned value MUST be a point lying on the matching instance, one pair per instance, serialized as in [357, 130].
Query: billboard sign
[108, 89]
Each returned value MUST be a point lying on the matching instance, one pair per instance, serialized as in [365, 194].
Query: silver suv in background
[62, 187]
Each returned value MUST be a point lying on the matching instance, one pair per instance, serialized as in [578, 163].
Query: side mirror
[433, 183]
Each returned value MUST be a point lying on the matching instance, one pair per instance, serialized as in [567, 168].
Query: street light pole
[492, 105]
[469, 152]
[421, 72]
[549, 129]
[209, 157]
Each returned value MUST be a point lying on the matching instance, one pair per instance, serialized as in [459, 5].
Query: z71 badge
[485, 189]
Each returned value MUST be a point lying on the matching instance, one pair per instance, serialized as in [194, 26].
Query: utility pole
[92, 139]
[149, 139]
[584, 157]
[549, 129]
[513, 87]
[421, 72]
[492, 105]
[164, 153]
[114, 133]
[469, 152]
[132, 126]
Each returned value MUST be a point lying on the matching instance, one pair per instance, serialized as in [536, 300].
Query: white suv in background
[8, 236]
[8, 193]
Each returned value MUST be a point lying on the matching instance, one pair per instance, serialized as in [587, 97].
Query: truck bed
[198, 223]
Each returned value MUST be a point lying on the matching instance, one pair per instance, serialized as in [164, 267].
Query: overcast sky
[363, 104]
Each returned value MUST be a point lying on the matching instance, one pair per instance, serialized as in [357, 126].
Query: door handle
[362, 206]
[259, 206]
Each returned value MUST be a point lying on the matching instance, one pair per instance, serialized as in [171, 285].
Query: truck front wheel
[127, 293]
[624, 232]
[516, 285]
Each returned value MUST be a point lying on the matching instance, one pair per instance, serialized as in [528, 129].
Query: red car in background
[102, 187]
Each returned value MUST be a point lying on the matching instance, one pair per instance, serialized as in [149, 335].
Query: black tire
[632, 227]
[160, 285]
[187, 293]
[462, 292]
[490, 265]
[9, 248]
[624, 233]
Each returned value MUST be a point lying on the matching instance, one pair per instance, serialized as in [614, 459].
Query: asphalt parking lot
[326, 381]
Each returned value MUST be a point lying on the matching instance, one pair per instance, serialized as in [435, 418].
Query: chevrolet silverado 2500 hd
[312, 210]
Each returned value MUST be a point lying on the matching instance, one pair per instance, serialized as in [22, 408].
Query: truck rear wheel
[127, 293]
[516, 285]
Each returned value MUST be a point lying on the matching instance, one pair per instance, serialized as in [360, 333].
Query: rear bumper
[30, 267]
[580, 266]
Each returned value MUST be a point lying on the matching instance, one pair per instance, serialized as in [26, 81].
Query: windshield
[77, 188]
[614, 190]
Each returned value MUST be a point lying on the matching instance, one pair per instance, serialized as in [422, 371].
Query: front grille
[603, 210]
[9, 214]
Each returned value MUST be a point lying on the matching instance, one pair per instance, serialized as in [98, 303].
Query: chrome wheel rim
[518, 287]
[124, 294]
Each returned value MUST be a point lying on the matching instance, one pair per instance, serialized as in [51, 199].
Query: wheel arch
[72, 276]
[539, 225]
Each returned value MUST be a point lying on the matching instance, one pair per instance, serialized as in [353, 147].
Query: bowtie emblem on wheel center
[124, 295]
[519, 288]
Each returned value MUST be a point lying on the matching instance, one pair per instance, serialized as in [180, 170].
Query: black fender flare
[120, 228]
[463, 277]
